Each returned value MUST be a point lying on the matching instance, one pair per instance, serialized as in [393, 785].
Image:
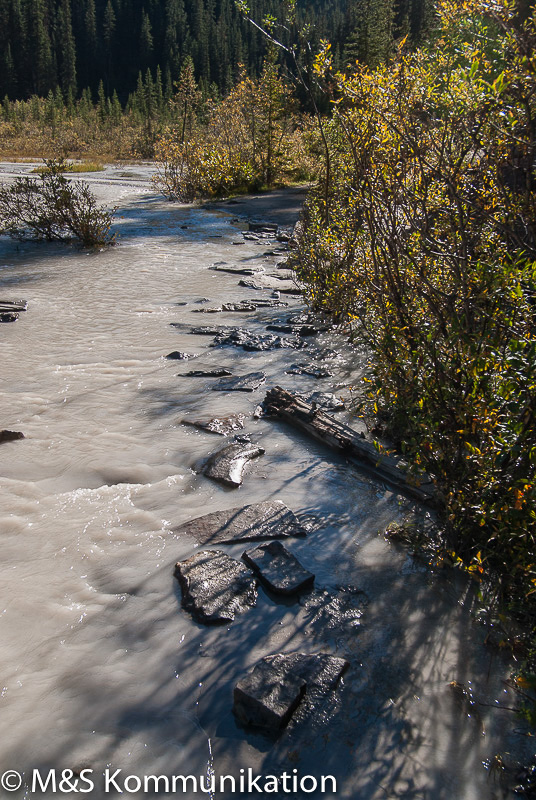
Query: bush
[427, 243]
[51, 207]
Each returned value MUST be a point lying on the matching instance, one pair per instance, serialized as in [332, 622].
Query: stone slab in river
[207, 373]
[180, 356]
[256, 522]
[215, 587]
[271, 692]
[278, 569]
[223, 426]
[241, 383]
[10, 436]
[227, 465]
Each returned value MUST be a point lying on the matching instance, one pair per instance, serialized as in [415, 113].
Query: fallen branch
[392, 469]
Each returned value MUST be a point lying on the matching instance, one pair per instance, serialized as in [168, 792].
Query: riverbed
[102, 668]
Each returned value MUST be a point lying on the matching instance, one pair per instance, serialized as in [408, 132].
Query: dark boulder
[278, 569]
[256, 522]
[227, 465]
[215, 587]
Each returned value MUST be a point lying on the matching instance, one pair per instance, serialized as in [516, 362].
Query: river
[101, 668]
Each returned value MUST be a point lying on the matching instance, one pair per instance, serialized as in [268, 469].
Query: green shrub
[427, 243]
[52, 207]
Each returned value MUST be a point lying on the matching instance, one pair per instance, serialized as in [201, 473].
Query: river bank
[104, 667]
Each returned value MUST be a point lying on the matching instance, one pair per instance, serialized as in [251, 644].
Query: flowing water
[100, 665]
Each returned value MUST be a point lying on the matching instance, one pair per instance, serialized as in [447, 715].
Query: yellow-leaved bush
[426, 242]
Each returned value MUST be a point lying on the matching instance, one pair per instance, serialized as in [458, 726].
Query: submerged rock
[308, 369]
[336, 610]
[241, 383]
[220, 425]
[206, 373]
[240, 337]
[237, 270]
[227, 465]
[266, 520]
[180, 356]
[10, 436]
[215, 587]
[298, 330]
[278, 569]
[9, 316]
[270, 693]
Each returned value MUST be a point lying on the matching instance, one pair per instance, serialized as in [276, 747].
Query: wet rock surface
[270, 693]
[240, 337]
[237, 270]
[255, 522]
[220, 425]
[178, 355]
[278, 569]
[220, 372]
[13, 305]
[260, 282]
[308, 369]
[10, 436]
[298, 330]
[337, 612]
[241, 383]
[326, 400]
[227, 465]
[9, 316]
[215, 587]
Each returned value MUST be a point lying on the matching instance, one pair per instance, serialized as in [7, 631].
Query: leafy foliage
[251, 139]
[429, 246]
[51, 207]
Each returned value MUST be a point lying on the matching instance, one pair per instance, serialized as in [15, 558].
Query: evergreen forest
[77, 45]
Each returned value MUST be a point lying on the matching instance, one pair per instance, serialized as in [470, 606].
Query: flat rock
[208, 330]
[247, 340]
[215, 587]
[237, 270]
[227, 465]
[241, 383]
[270, 693]
[256, 522]
[180, 356]
[207, 373]
[308, 369]
[267, 282]
[267, 303]
[220, 425]
[13, 305]
[10, 436]
[242, 306]
[278, 569]
[9, 316]
[298, 330]
[326, 400]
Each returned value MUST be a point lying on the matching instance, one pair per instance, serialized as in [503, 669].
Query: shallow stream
[100, 665]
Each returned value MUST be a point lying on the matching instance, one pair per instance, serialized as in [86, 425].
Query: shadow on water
[390, 730]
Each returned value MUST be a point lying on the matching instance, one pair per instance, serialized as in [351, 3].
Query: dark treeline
[73, 45]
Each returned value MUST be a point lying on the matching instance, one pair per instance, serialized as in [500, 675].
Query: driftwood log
[293, 409]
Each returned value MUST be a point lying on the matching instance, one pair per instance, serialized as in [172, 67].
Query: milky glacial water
[101, 668]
